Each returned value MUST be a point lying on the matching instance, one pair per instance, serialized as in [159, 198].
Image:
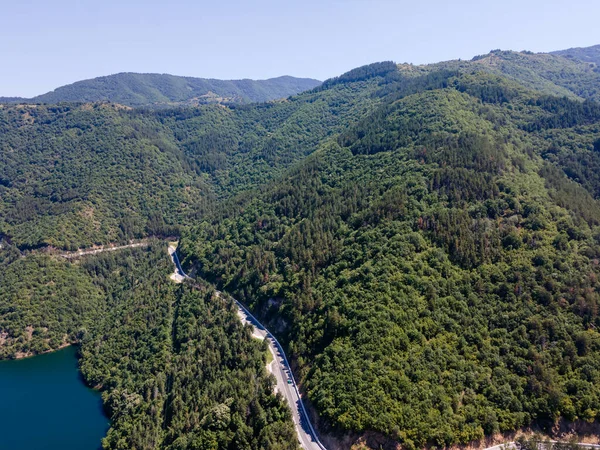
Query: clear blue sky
[48, 43]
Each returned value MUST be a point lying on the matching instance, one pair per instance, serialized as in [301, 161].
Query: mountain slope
[13, 100]
[145, 353]
[136, 89]
[433, 270]
[81, 175]
[423, 239]
[583, 54]
[78, 175]
[552, 74]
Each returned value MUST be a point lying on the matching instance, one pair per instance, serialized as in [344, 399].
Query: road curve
[280, 367]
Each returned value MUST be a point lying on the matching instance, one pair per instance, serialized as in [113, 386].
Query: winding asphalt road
[280, 367]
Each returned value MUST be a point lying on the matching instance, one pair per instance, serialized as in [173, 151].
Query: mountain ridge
[423, 240]
[152, 89]
[552, 73]
[586, 54]
[166, 90]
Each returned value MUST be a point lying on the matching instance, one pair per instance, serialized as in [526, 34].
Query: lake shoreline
[23, 355]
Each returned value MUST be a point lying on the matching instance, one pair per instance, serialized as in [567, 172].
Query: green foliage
[176, 366]
[550, 73]
[380, 69]
[74, 176]
[590, 55]
[424, 240]
[44, 303]
[77, 175]
[565, 113]
[243, 412]
[432, 271]
[137, 89]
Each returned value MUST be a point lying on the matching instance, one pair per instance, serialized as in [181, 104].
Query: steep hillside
[584, 54]
[433, 269]
[81, 175]
[138, 89]
[78, 175]
[552, 74]
[176, 366]
[44, 303]
[423, 239]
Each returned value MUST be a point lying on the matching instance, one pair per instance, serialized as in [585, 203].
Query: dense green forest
[44, 303]
[424, 241]
[152, 89]
[176, 367]
[552, 74]
[433, 269]
[584, 54]
[74, 176]
[77, 175]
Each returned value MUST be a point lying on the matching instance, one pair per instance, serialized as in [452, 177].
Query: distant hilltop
[137, 89]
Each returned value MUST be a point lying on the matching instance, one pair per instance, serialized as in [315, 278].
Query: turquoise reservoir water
[44, 405]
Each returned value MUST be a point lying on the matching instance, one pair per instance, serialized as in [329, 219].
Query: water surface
[44, 405]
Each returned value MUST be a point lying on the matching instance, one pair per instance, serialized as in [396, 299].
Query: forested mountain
[145, 89]
[77, 175]
[12, 99]
[584, 54]
[176, 367]
[553, 74]
[44, 303]
[424, 240]
[433, 269]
